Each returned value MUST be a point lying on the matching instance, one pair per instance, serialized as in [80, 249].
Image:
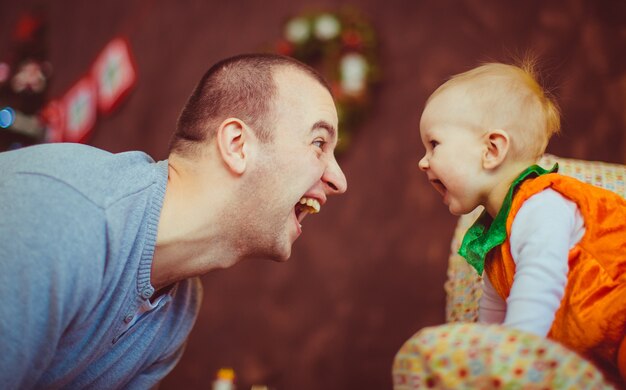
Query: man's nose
[334, 179]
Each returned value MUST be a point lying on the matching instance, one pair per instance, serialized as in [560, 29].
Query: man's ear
[497, 146]
[231, 138]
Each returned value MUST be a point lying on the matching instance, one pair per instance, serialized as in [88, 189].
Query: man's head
[242, 87]
[260, 132]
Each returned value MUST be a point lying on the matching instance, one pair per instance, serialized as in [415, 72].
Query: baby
[552, 248]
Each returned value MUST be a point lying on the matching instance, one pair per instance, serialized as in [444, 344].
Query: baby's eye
[319, 143]
[433, 144]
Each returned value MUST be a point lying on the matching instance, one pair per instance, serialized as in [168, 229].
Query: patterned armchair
[466, 355]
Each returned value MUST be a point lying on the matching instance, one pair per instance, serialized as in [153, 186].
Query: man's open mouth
[306, 206]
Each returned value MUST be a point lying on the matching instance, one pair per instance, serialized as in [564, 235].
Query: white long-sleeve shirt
[544, 230]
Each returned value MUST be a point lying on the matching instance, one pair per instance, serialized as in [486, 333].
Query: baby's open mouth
[438, 186]
[306, 206]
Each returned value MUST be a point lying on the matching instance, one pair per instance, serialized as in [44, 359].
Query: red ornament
[284, 47]
[53, 116]
[26, 27]
[352, 39]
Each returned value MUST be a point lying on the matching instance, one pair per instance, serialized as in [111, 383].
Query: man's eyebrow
[327, 126]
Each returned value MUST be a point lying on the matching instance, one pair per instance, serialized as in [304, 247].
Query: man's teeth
[312, 205]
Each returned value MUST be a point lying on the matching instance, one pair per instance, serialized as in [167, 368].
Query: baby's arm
[546, 227]
[492, 307]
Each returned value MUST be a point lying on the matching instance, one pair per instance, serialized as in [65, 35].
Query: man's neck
[191, 239]
[180, 260]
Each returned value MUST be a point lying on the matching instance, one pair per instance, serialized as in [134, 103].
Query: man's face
[297, 170]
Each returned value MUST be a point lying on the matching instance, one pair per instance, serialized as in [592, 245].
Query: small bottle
[225, 379]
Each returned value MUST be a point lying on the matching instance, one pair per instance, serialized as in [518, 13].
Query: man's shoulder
[54, 159]
[35, 157]
[99, 175]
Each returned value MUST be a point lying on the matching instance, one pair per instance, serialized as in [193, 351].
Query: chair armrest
[479, 356]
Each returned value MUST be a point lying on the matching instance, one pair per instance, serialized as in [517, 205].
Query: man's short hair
[237, 87]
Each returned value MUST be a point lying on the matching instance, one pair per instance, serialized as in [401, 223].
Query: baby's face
[454, 143]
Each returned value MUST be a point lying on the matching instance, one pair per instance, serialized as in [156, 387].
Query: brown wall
[369, 270]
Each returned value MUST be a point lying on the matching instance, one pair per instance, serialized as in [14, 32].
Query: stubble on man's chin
[262, 243]
[275, 249]
[265, 255]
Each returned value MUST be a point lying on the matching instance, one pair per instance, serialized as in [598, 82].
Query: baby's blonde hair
[512, 99]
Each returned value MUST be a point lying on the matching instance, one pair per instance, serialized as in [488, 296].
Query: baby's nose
[423, 163]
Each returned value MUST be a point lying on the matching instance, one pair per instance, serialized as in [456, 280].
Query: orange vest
[592, 316]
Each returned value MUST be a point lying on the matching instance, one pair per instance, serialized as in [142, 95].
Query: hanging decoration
[114, 72]
[79, 108]
[53, 115]
[30, 77]
[110, 79]
[342, 46]
[24, 80]
[27, 116]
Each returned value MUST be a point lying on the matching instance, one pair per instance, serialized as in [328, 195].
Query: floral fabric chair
[466, 355]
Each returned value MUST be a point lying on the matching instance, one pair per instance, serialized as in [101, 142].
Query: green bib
[487, 233]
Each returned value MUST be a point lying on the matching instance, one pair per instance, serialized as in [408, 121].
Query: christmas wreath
[342, 46]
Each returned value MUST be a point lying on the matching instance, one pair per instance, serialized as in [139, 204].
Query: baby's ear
[497, 144]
